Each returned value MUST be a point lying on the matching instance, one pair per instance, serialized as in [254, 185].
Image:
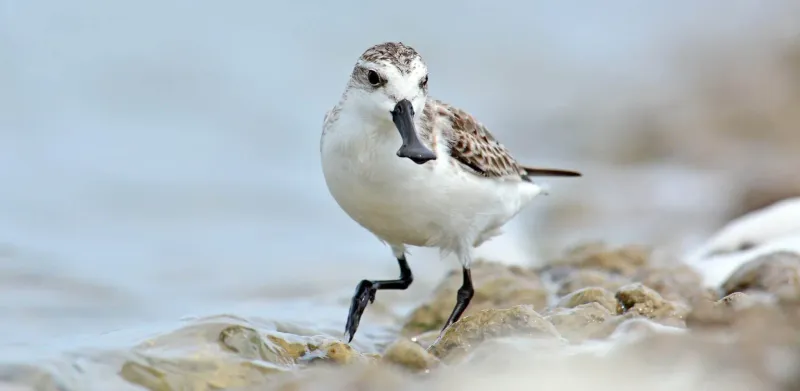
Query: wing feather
[476, 149]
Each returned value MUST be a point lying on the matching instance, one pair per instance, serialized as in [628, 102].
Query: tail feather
[533, 171]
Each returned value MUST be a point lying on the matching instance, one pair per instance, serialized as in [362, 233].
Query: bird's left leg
[366, 290]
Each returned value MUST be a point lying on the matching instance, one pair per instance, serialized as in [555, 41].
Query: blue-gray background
[159, 159]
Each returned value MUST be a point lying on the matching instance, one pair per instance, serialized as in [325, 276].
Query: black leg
[462, 299]
[365, 293]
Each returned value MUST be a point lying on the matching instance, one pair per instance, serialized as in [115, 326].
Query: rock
[504, 352]
[790, 311]
[675, 283]
[708, 294]
[590, 295]
[278, 349]
[639, 327]
[249, 343]
[759, 364]
[294, 350]
[585, 321]
[496, 286]
[709, 315]
[740, 301]
[755, 319]
[341, 353]
[168, 374]
[469, 331]
[776, 273]
[624, 261]
[216, 353]
[637, 299]
[575, 279]
[351, 377]
[409, 355]
[730, 310]
[426, 339]
[335, 352]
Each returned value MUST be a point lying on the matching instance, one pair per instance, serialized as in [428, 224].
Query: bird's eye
[373, 78]
[424, 82]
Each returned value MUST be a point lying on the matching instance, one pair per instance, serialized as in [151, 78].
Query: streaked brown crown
[396, 53]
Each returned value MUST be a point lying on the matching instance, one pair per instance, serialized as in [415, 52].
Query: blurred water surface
[159, 159]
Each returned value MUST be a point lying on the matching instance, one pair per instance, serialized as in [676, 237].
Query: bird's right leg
[463, 297]
[366, 289]
[465, 293]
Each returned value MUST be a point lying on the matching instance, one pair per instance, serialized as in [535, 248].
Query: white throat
[361, 124]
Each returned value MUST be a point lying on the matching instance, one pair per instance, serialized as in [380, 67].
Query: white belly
[434, 205]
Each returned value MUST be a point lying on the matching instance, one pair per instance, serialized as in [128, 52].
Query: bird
[416, 171]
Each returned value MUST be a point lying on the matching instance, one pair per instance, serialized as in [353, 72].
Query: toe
[365, 293]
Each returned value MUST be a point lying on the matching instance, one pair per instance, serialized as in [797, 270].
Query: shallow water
[159, 160]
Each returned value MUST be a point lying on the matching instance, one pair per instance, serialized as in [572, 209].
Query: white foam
[764, 231]
[753, 229]
[716, 269]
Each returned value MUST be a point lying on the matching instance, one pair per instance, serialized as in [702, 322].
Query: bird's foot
[365, 294]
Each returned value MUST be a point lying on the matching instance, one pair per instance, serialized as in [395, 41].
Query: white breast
[435, 204]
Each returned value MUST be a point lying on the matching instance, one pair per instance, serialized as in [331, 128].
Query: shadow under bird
[416, 171]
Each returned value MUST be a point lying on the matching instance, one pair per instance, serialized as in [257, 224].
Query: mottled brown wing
[472, 145]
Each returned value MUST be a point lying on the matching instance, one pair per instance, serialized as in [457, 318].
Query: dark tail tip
[531, 171]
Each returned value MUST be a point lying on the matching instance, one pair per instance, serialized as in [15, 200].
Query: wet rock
[188, 373]
[761, 363]
[675, 283]
[294, 350]
[754, 319]
[590, 295]
[505, 351]
[790, 310]
[777, 273]
[250, 344]
[585, 321]
[426, 339]
[496, 286]
[708, 294]
[341, 353]
[279, 348]
[349, 378]
[469, 331]
[625, 261]
[638, 300]
[206, 356]
[740, 301]
[226, 353]
[639, 327]
[409, 355]
[575, 279]
[732, 311]
[335, 352]
[705, 315]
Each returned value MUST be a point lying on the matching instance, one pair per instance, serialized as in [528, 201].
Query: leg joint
[406, 275]
[466, 292]
[407, 279]
[405, 271]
